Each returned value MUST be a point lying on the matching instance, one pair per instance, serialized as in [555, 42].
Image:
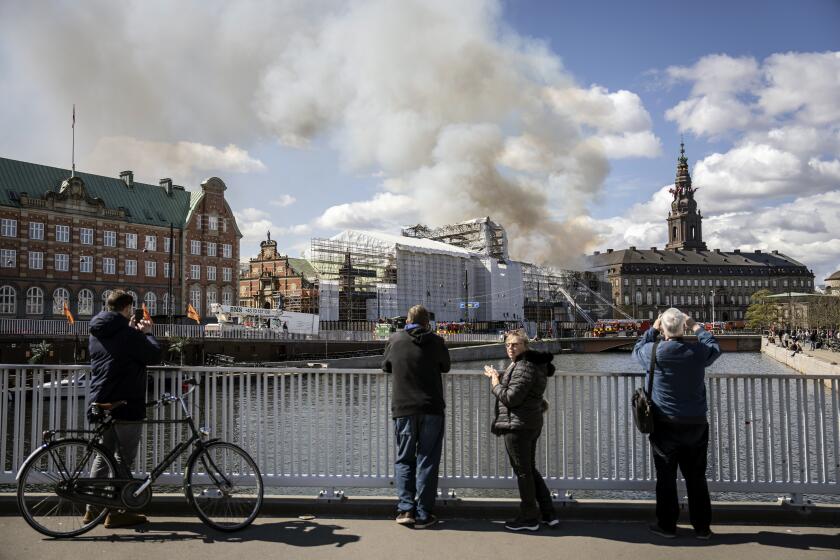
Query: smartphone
[138, 315]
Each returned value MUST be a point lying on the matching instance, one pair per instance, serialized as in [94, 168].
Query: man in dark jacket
[680, 435]
[416, 357]
[120, 350]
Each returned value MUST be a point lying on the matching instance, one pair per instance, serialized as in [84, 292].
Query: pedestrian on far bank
[680, 436]
[121, 346]
[417, 357]
[519, 420]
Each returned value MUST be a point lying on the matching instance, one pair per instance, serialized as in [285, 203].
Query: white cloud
[255, 224]
[183, 161]
[383, 211]
[804, 84]
[283, 200]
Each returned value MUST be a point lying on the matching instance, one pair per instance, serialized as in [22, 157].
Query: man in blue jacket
[680, 436]
[120, 350]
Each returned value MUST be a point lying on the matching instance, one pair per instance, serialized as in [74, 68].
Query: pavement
[185, 538]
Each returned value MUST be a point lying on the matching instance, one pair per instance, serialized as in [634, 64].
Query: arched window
[135, 298]
[658, 297]
[8, 299]
[85, 303]
[105, 295]
[60, 295]
[693, 232]
[638, 298]
[34, 301]
[650, 298]
[211, 298]
[195, 298]
[674, 232]
[151, 303]
[227, 296]
[165, 304]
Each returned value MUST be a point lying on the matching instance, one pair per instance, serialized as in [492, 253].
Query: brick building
[708, 284]
[74, 237]
[274, 281]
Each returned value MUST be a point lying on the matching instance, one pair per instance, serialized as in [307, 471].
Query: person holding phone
[519, 420]
[121, 346]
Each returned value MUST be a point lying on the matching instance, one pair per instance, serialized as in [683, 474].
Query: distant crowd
[796, 340]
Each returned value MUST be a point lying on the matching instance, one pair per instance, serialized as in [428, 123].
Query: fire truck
[255, 318]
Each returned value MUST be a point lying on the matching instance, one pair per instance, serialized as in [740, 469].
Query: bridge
[325, 436]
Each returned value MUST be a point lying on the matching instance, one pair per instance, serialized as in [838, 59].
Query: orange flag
[68, 314]
[193, 314]
[146, 316]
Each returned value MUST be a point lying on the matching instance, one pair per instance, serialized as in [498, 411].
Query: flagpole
[73, 160]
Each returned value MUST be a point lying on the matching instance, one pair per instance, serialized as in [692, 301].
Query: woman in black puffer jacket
[519, 419]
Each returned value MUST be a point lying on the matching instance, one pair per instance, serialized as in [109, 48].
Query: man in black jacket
[416, 357]
[120, 350]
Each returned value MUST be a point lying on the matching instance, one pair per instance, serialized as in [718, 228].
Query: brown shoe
[89, 516]
[117, 519]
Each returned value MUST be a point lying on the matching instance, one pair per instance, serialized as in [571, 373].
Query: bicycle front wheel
[61, 463]
[224, 486]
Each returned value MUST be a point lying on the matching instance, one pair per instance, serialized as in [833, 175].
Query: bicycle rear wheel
[60, 461]
[224, 486]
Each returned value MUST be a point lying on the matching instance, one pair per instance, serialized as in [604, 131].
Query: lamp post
[713, 309]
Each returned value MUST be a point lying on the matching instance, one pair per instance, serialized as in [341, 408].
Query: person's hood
[107, 323]
[419, 334]
[540, 358]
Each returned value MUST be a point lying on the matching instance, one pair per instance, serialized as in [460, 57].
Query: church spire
[684, 221]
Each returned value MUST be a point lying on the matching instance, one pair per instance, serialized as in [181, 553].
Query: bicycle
[221, 481]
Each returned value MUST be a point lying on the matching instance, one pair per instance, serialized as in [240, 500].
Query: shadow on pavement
[292, 533]
[637, 533]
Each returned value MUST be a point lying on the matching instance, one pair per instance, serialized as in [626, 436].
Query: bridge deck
[186, 538]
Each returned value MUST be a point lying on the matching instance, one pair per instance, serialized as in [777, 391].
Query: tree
[761, 312]
[825, 312]
[177, 345]
[40, 351]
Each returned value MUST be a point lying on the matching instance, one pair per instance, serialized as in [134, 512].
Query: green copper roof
[303, 267]
[146, 204]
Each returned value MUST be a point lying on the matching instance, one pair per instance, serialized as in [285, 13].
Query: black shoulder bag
[641, 401]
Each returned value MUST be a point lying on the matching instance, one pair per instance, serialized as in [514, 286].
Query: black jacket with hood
[119, 355]
[519, 394]
[416, 358]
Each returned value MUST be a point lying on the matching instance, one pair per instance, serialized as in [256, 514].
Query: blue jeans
[419, 440]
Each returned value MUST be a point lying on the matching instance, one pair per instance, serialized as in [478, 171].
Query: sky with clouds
[560, 120]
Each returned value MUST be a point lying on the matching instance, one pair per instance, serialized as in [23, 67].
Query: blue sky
[562, 120]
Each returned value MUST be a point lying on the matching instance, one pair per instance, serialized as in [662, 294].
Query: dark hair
[119, 300]
[418, 315]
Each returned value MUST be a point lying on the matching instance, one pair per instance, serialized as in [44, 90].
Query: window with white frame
[195, 247]
[62, 233]
[227, 296]
[8, 300]
[211, 298]
[60, 296]
[8, 227]
[151, 303]
[85, 302]
[109, 238]
[86, 236]
[226, 250]
[226, 274]
[109, 265]
[130, 267]
[36, 230]
[212, 223]
[86, 263]
[151, 243]
[34, 301]
[211, 249]
[151, 269]
[62, 262]
[224, 224]
[9, 258]
[166, 244]
[211, 273]
[105, 295]
[130, 240]
[166, 270]
[195, 272]
[134, 298]
[626, 298]
[195, 298]
[36, 260]
[198, 219]
[165, 303]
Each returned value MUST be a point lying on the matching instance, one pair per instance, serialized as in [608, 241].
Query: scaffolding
[481, 236]
[564, 295]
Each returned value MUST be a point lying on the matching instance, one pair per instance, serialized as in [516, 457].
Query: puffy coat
[119, 355]
[519, 394]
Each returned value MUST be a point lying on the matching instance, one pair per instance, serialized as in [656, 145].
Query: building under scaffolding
[480, 236]
[371, 275]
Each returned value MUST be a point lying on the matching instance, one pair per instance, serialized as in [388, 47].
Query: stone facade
[275, 281]
[75, 238]
[709, 285]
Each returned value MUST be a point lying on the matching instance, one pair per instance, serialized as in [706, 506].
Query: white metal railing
[332, 428]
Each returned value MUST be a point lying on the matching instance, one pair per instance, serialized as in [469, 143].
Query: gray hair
[673, 322]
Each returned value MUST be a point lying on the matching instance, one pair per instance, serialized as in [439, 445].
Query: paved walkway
[184, 538]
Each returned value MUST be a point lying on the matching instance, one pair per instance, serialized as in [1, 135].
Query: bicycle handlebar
[187, 387]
